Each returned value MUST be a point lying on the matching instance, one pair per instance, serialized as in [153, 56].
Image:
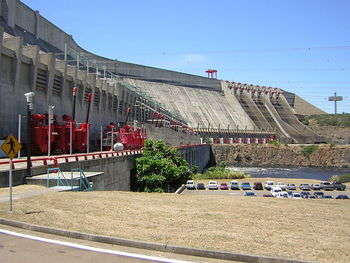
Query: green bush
[161, 168]
[219, 172]
[345, 178]
[340, 120]
[277, 143]
[308, 150]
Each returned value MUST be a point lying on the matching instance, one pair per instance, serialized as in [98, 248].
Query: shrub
[308, 150]
[345, 178]
[161, 168]
[219, 172]
[277, 143]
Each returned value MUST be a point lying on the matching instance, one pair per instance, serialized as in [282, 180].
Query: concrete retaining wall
[117, 170]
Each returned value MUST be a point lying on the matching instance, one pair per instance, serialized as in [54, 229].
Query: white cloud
[193, 58]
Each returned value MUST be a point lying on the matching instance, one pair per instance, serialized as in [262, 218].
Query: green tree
[161, 168]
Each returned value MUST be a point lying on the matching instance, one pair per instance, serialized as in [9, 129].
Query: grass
[317, 230]
[340, 120]
[21, 189]
[219, 172]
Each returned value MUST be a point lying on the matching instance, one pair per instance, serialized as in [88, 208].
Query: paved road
[20, 248]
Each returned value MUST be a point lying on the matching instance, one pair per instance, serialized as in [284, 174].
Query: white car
[291, 187]
[213, 185]
[190, 185]
[275, 191]
[283, 186]
[269, 184]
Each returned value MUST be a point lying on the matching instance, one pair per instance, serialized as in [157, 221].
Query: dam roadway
[26, 246]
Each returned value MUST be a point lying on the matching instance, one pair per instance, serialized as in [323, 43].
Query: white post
[10, 184]
[71, 138]
[19, 132]
[101, 138]
[49, 130]
[88, 139]
[112, 139]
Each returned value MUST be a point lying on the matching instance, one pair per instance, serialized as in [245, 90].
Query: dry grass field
[25, 188]
[315, 230]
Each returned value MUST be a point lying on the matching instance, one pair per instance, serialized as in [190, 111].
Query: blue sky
[302, 46]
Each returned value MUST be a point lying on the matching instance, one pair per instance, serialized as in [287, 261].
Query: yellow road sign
[11, 146]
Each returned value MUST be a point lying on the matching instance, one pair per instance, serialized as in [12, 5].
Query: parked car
[319, 194]
[200, 186]
[282, 194]
[316, 187]
[296, 196]
[246, 186]
[281, 185]
[258, 186]
[249, 194]
[268, 195]
[312, 197]
[268, 185]
[291, 187]
[339, 186]
[213, 185]
[327, 186]
[305, 194]
[275, 190]
[342, 197]
[190, 185]
[305, 187]
[328, 197]
[223, 186]
[234, 185]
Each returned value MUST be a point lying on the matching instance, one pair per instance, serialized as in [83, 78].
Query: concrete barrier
[150, 245]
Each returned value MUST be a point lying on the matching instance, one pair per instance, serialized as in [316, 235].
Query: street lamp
[29, 97]
[51, 108]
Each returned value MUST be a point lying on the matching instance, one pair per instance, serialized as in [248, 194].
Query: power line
[266, 50]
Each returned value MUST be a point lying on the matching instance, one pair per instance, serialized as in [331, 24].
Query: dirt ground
[299, 229]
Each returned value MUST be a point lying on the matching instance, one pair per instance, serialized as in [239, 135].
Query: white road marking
[94, 249]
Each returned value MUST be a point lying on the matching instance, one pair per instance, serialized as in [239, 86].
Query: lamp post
[29, 97]
[51, 108]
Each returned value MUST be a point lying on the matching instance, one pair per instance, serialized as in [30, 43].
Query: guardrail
[55, 160]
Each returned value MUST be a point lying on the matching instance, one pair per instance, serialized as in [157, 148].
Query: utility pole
[335, 98]
[29, 97]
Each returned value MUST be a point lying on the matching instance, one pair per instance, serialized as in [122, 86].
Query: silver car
[213, 185]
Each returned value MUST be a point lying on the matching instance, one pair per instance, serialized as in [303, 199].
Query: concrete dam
[38, 56]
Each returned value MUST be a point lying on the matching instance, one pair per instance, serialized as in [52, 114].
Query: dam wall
[38, 56]
[37, 30]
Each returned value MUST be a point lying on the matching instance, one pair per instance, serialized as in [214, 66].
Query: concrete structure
[38, 56]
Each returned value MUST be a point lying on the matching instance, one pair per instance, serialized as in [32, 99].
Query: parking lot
[261, 193]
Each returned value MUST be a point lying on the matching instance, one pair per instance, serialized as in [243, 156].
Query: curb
[181, 189]
[150, 245]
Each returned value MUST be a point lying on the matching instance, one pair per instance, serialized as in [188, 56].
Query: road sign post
[11, 148]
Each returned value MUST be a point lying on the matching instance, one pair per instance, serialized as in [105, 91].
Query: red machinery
[131, 137]
[61, 131]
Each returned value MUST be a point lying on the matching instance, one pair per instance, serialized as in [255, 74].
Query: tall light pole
[335, 98]
[29, 97]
